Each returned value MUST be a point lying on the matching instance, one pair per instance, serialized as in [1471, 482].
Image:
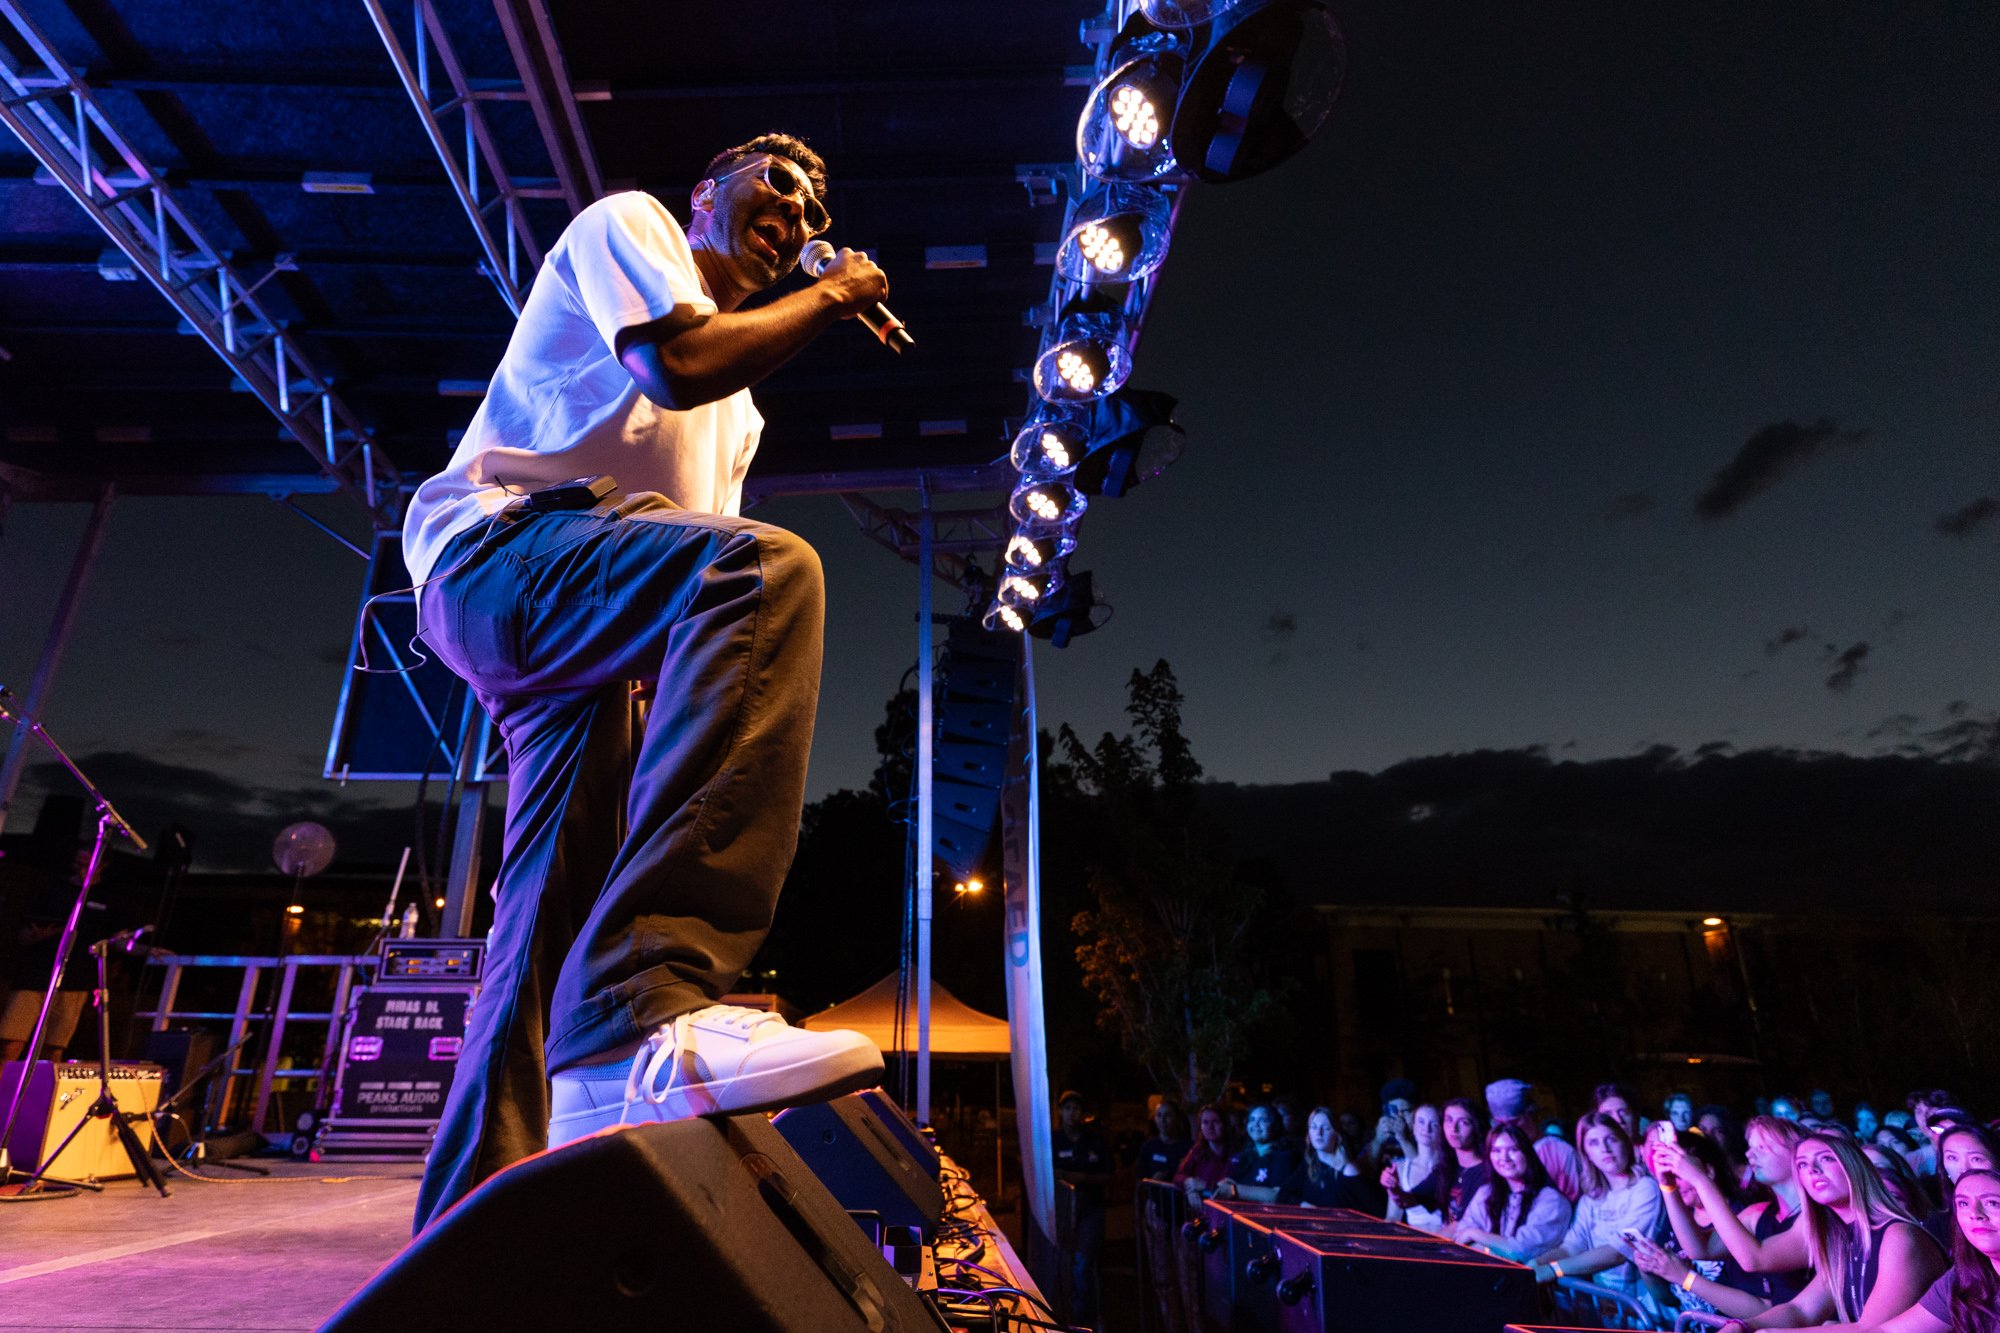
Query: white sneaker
[714, 1060]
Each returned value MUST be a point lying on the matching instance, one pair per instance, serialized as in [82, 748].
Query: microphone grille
[815, 257]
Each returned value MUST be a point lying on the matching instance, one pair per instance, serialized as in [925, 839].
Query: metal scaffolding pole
[78, 145]
[926, 748]
[52, 647]
[462, 879]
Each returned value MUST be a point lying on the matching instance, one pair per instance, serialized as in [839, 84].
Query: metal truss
[956, 534]
[504, 252]
[53, 112]
[531, 39]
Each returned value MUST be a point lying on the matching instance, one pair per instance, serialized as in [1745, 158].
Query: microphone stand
[108, 820]
[137, 1152]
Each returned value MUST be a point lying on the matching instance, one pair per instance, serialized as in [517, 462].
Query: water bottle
[409, 931]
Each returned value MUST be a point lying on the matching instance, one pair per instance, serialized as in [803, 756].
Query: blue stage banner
[1021, 855]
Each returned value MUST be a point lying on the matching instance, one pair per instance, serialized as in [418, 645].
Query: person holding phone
[1411, 1182]
[1618, 1199]
[1762, 1238]
[1706, 1277]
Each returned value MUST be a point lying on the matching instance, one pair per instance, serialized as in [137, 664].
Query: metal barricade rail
[1577, 1296]
[276, 1012]
[1170, 1268]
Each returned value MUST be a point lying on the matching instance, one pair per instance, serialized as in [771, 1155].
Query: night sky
[1603, 377]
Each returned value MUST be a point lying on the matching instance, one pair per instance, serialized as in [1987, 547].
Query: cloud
[1846, 666]
[1966, 740]
[1898, 725]
[1636, 504]
[1779, 448]
[233, 822]
[1787, 636]
[1278, 629]
[1964, 522]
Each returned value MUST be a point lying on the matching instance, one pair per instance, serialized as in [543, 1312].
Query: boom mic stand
[108, 819]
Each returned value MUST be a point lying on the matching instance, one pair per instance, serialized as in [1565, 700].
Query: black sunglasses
[786, 182]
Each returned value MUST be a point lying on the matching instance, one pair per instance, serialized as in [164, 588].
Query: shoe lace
[668, 1046]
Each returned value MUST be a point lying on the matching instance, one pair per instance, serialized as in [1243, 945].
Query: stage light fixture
[1043, 505]
[1084, 360]
[1050, 445]
[1026, 554]
[296, 909]
[1117, 234]
[1001, 616]
[1071, 610]
[1025, 590]
[1182, 13]
[1258, 90]
[1122, 135]
[1133, 438]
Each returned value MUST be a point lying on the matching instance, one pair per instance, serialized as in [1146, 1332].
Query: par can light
[1085, 359]
[1001, 617]
[1122, 135]
[1040, 506]
[1262, 86]
[1182, 13]
[1119, 233]
[1027, 552]
[1050, 445]
[1029, 589]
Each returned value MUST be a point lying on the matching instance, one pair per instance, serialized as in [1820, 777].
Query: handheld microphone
[885, 326]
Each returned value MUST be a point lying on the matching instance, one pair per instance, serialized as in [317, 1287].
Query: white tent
[958, 1031]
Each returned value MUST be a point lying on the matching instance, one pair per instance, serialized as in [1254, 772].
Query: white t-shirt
[561, 405]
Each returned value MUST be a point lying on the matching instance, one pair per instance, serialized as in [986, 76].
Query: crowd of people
[1797, 1217]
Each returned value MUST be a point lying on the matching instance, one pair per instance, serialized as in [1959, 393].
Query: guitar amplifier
[57, 1097]
[1323, 1281]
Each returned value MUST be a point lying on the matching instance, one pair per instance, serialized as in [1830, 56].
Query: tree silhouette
[1167, 947]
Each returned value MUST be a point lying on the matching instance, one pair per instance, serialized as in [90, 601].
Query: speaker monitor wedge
[904, 1130]
[859, 1158]
[711, 1225]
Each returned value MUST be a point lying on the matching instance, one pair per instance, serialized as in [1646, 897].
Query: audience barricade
[1579, 1299]
[1169, 1262]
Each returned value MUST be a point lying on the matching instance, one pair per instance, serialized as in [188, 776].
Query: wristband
[1556, 1268]
[1687, 1283]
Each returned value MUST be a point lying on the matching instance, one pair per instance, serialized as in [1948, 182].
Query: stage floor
[251, 1254]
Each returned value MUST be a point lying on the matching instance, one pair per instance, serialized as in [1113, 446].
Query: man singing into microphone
[641, 867]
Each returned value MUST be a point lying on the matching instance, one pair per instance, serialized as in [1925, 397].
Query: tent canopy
[958, 1031]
